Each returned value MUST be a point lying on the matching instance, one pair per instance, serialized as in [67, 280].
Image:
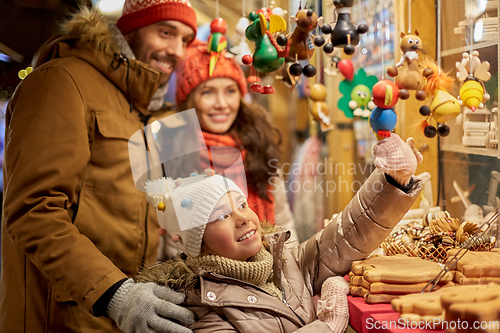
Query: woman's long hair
[261, 140]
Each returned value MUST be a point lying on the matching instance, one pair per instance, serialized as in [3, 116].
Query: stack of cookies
[477, 267]
[382, 279]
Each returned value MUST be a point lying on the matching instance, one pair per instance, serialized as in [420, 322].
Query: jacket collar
[276, 243]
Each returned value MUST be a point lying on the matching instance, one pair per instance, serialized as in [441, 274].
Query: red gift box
[360, 311]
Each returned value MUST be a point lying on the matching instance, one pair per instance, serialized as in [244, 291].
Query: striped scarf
[223, 158]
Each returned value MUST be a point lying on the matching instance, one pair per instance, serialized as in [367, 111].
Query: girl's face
[217, 102]
[234, 232]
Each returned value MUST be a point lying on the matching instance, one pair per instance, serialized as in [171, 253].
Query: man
[74, 228]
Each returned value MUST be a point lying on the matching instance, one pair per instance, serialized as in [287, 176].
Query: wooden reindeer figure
[300, 42]
[301, 45]
[410, 75]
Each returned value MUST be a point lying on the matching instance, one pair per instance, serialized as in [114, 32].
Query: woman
[228, 121]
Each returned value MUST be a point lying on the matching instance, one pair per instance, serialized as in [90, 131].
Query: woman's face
[217, 102]
[234, 231]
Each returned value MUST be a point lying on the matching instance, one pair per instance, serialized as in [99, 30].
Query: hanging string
[409, 16]
[438, 32]
[217, 8]
[471, 35]
[318, 55]
[382, 37]
[243, 12]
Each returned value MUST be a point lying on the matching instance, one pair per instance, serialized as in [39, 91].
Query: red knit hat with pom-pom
[140, 13]
[194, 70]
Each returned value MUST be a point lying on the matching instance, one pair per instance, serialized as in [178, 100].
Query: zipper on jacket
[146, 235]
[144, 254]
[289, 306]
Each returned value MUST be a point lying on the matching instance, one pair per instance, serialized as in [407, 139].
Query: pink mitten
[332, 308]
[396, 158]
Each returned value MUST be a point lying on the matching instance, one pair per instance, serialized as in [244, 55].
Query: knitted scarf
[258, 270]
[219, 158]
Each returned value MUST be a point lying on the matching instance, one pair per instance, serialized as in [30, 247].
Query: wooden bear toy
[410, 75]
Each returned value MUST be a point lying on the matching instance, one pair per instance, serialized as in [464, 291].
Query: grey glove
[148, 307]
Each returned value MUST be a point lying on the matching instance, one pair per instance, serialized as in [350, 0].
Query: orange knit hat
[140, 13]
[194, 70]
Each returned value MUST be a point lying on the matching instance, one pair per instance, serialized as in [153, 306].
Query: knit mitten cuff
[117, 299]
[333, 309]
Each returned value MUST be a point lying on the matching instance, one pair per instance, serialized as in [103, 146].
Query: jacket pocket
[60, 295]
[113, 126]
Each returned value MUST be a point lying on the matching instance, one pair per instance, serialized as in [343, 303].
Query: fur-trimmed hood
[86, 26]
[88, 36]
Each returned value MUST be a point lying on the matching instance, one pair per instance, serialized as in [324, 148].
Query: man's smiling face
[162, 45]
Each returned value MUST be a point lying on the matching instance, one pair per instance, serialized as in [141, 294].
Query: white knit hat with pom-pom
[184, 206]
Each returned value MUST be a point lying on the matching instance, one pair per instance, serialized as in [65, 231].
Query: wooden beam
[11, 53]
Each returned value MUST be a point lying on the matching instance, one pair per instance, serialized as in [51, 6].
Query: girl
[240, 277]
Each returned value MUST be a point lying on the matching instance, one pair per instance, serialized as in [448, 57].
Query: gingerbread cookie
[463, 280]
[379, 298]
[428, 305]
[478, 264]
[481, 304]
[398, 269]
[403, 289]
[357, 290]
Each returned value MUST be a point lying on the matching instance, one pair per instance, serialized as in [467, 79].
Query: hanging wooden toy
[319, 109]
[383, 117]
[443, 105]
[267, 56]
[217, 41]
[385, 95]
[345, 34]
[473, 73]
[300, 42]
[356, 99]
[408, 71]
